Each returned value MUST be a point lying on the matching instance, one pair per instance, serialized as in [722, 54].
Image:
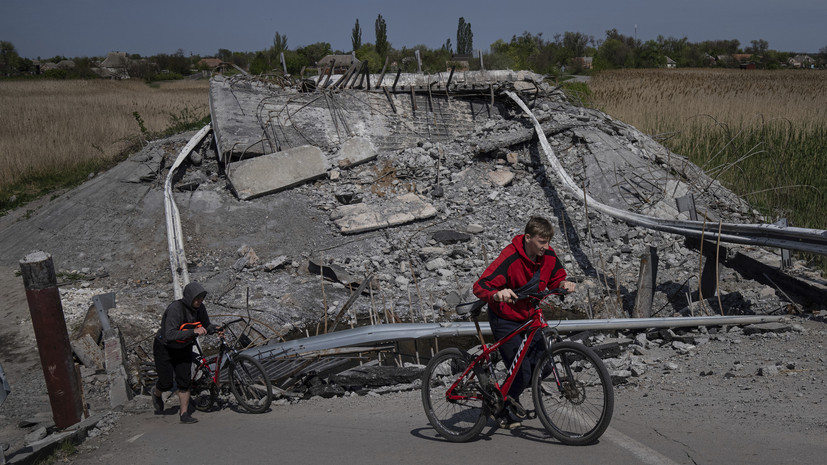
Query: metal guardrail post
[786, 255]
[62, 382]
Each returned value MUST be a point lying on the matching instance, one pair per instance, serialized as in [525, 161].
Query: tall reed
[50, 127]
[761, 133]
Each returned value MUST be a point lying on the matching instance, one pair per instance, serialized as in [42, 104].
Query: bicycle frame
[214, 364]
[530, 328]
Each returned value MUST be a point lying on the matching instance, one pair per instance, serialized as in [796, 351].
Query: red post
[43, 297]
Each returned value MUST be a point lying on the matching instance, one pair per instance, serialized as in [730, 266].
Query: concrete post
[62, 382]
[646, 283]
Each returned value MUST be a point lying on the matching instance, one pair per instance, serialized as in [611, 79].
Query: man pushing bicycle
[527, 262]
[183, 321]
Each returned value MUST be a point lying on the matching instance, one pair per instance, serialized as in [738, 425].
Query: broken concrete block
[363, 217]
[276, 171]
[769, 370]
[278, 262]
[446, 236]
[88, 352]
[501, 178]
[766, 328]
[354, 151]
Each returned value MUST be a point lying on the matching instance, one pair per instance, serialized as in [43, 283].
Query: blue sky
[72, 28]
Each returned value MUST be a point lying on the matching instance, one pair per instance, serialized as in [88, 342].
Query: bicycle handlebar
[540, 295]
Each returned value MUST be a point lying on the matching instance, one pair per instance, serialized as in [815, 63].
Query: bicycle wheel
[461, 417]
[203, 392]
[249, 384]
[579, 410]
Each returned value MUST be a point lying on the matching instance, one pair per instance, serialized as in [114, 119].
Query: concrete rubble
[421, 190]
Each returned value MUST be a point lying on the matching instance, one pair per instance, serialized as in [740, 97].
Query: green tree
[356, 36]
[758, 47]
[225, 55]
[465, 38]
[314, 52]
[273, 55]
[260, 64]
[382, 44]
[576, 43]
[367, 52]
[8, 58]
[175, 63]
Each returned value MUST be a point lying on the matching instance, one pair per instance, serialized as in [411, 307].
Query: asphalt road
[393, 429]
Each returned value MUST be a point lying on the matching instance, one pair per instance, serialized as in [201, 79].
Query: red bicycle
[248, 380]
[570, 386]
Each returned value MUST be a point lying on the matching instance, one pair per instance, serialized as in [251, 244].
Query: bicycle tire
[455, 420]
[203, 391]
[249, 384]
[580, 410]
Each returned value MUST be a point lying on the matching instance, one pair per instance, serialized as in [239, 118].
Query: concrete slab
[362, 217]
[354, 151]
[277, 171]
[88, 352]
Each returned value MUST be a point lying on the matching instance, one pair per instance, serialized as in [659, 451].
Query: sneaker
[187, 418]
[517, 411]
[158, 403]
[507, 421]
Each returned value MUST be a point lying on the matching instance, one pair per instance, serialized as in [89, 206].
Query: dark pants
[172, 362]
[501, 328]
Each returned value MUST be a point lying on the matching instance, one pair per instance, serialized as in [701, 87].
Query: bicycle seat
[473, 308]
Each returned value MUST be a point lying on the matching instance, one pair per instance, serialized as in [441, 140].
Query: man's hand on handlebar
[505, 295]
[567, 285]
[200, 331]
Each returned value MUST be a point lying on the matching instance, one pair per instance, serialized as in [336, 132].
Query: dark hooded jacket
[181, 312]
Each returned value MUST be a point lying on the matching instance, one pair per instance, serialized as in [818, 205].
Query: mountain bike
[248, 380]
[570, 386]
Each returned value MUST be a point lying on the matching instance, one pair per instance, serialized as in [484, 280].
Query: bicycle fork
[547, 341]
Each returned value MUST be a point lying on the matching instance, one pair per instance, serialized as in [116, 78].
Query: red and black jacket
[512, 270]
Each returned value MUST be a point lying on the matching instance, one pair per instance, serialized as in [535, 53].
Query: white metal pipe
[175, 241]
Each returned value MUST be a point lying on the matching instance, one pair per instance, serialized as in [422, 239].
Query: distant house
[742, 57]
[801, 61]
[66, 64]
[115, 66]
[670, 63]
[340, 63]
[210, 63]
[214, 65]
[583, 62]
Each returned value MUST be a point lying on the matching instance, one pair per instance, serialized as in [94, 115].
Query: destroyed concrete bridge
[273, 136]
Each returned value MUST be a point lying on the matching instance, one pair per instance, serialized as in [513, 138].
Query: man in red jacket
[528, 255]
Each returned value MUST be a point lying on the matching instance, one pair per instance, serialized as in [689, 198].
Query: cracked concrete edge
[38, 450]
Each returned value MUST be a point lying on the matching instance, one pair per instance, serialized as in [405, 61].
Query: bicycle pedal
[530, 414]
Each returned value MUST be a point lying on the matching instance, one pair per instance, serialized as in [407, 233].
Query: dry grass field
[51, 126]
[762, 133]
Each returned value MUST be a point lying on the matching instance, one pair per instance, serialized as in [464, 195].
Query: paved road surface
[393, 429]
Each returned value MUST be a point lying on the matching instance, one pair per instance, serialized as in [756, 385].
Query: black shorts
[172, 363]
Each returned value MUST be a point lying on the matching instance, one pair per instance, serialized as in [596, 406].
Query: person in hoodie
[528, 258]
[183, 321]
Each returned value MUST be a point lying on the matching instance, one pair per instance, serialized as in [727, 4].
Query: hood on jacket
[191, 291]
